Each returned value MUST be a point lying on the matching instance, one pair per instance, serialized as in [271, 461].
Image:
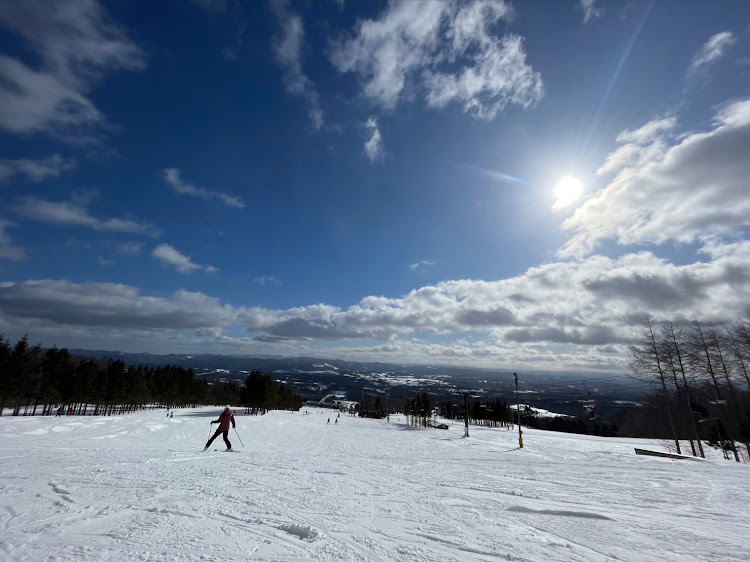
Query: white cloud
[288, 51]
[36, 170]
[642, 144]
[374, 148]
[647, 133]
[421, 264]
[444, 50]
[264, 280]
[75, 214]
[169, 256]
[7, 250]
[130, 248]
[590, 11]
[74, 43]
[713, 49]
[101, 260]
[177, 184]
[685, 190]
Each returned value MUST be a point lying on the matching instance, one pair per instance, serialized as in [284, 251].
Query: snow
[137, 487]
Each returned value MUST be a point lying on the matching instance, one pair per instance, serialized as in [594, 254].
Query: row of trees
[492, 413]
[374, 408]
[701, 378]
[262, 393]
[31, 378]
[419, 410]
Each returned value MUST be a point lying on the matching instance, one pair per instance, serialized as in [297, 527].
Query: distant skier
[225, 418]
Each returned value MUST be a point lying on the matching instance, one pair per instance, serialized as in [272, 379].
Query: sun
[567, 191]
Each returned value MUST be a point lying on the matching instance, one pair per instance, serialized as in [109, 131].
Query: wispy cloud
[590, 11]
[130, 248]
[421, 264]
[637, 144]
[176, 183]
[712, 50]
[287, 49]
[36, 170]
[169, 256]
[264, 280]
[75, 214]
[75, 43]
[374, 148]
[447, 51]
[7, 250]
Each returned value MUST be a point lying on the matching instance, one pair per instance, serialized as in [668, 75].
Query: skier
[224, 420]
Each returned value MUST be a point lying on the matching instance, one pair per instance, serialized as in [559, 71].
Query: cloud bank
[585, 310]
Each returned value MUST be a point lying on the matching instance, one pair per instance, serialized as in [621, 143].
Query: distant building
[330, 399]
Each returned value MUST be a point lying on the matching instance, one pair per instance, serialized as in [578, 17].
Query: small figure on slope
[225, 418]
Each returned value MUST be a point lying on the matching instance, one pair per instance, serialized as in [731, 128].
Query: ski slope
[137, 487]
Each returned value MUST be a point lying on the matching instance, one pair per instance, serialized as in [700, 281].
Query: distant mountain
[314, 377]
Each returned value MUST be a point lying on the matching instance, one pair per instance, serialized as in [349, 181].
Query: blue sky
[373, 180]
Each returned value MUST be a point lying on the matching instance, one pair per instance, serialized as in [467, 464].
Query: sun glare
[567, 191]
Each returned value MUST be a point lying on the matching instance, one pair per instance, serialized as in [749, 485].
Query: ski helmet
[227, 408]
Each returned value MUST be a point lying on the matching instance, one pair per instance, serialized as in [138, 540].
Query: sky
[137, 487]
[515, 185]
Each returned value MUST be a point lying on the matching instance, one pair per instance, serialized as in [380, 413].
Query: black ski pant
[226, 438]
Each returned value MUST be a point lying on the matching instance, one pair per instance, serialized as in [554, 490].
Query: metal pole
[238, 436]
[518, 404]
[466, 415]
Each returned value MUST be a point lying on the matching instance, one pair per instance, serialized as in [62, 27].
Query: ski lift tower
[518, 406]
[466, 410]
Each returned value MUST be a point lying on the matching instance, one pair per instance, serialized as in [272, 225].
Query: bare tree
[646, 359]
[740, 341]
[673, 344]
[704, 359]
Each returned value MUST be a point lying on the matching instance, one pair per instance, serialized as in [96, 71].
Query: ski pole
[209, 431]
[238, 436]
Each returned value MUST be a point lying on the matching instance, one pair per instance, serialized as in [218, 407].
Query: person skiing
[225, 418]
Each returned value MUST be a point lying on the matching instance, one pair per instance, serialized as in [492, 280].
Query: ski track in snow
[136, 487]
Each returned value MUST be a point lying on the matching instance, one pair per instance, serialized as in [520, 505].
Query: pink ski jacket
[225, 419]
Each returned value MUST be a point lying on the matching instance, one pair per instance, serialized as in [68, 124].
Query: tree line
[34, 380]
[262, 393]
[490, 413]
[701, 378]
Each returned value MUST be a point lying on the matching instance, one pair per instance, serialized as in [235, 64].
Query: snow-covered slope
[137, 487]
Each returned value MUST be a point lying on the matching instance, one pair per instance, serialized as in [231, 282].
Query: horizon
[467, 184]
[497, 370]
